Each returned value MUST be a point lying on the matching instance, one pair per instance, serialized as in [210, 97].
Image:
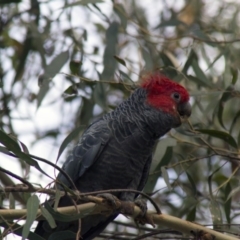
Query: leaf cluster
[59, 72]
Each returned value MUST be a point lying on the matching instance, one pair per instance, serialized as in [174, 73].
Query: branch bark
[133, 211]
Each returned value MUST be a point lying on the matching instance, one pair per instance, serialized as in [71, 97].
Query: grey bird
[115, 152]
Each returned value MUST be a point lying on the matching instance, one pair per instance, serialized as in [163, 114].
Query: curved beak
[184, 109]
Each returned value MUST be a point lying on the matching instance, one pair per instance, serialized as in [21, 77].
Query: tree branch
[129, 210]
[85, 196]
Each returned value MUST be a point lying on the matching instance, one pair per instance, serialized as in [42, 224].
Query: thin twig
[30, 186]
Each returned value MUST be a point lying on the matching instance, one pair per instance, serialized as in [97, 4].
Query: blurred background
[65, 63]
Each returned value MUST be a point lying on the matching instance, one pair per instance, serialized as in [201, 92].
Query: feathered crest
[157, 83]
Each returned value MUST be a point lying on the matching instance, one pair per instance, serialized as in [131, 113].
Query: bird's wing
[145, 173]
[86, 152]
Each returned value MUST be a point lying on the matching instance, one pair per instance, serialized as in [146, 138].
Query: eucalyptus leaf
[120, 60]
[221, 135]
[234, 72]
[49, 72]
[14, 147]
[225, 97]
[57, 199]
[110, 51]
[228, 202]
[11, 201]
[166, 177]
[233, 191]
[48, 217]
[9, 142]
[154, 175]
[194, 188]
[191, 216]
[120, 11]
[72, 135]
[32, 208]
[215, 212]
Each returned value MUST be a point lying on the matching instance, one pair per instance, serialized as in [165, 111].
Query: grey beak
[185, 109]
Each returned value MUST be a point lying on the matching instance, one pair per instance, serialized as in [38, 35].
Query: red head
[166, 95]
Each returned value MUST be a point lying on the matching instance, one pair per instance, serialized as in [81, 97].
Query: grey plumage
[114, 152]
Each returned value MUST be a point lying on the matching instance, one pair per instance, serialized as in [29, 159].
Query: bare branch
[133, 211]
[85, 196]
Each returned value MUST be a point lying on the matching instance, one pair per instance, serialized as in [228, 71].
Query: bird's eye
[176, 96]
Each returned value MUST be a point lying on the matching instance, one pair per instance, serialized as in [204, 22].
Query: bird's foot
[143, 217]
[110, 200]
[142, 204]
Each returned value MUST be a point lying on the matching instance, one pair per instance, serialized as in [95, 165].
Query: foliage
[65, 63]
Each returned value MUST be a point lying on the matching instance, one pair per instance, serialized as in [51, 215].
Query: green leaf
[26, 196]
[86, 113]
[75, 67]
[120, 11]
[225, 97]
[166, 60]
[24, 147]
[197, 80]
[120, 60]
[168, 67]
[48, 217]
[32, 208]
[147, 58]
[239, 139]
[8, 142]
[11, 201]
[188, 63]
[14, 147]
[126, 79]
[194, 189]
[100, 96]
[201, 35]
[50, 71]
[153, 177]
[210, 181]
[200, 74]
[5, 150]
[85, 35]
[234, 75]
[233, 192]
[24, 47]
[72, 135]
[58, 196]
[160, 151]
[25, 157]
[110, 51]
[221, 135]
[215, 212]
[234, 121]
[56, 64]
[200, 78]
[191, 216]
[70, 93]
[223, 52]
[166, 177]
[228, 202]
